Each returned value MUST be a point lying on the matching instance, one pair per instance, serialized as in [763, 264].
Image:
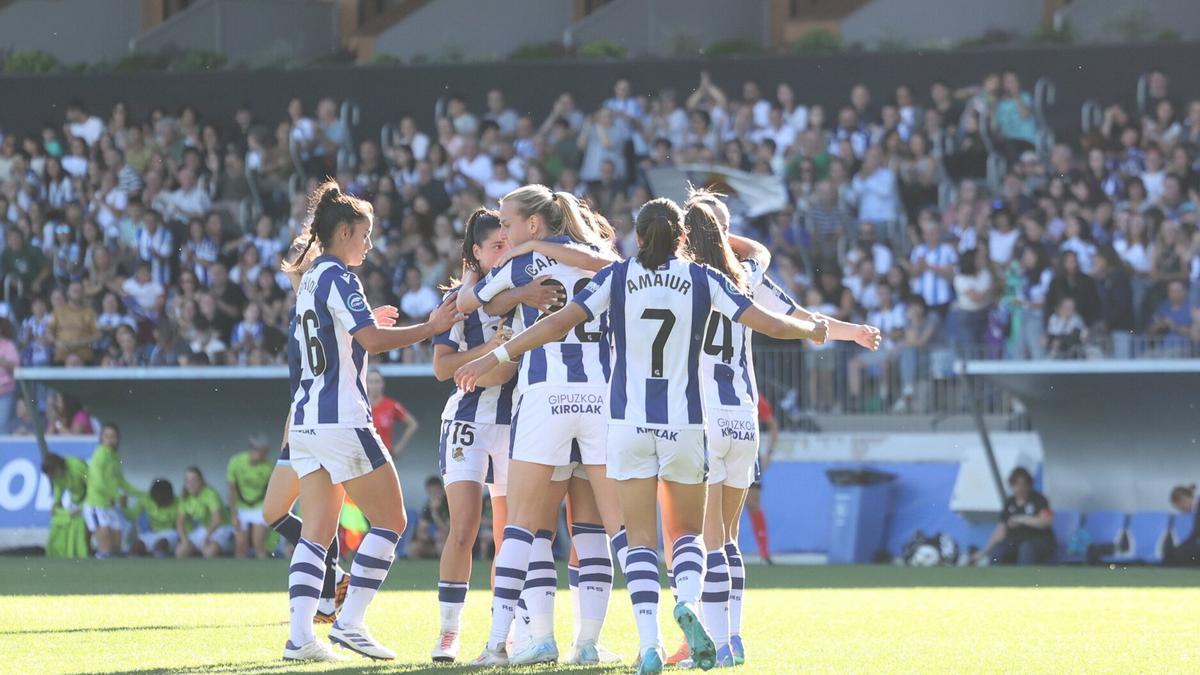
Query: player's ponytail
[712, 200]
[708, 244]
[328, 208]
[480, 225]
[659, 229]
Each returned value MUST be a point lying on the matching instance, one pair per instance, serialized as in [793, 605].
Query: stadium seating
[1147, 532]
[1105, 528]
[1065, 525]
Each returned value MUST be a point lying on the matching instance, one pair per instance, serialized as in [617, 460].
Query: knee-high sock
[671, 583]
[687, 563]
[452, 595]
[541, 586]
[304, 590]
[512, 564]
[595, 578]
[644, 586]
[737, 585]
[715, 599]
[288, 526]
[758, 519]
[367, 572]
[620, 547]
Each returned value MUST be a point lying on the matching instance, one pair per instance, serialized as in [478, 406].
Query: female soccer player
[162, 511]
[473, 445]
[731, 405]
[656, 418]
[333, 445]
[284, 486]
[561, 394]
[203, 521]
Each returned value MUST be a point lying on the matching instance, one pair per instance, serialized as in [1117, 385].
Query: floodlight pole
[980, 424]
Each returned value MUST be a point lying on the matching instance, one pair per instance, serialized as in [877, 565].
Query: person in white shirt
[973, 297]
[795, 114]
[473, 164]
[891, 319]
[190, 200]
[501, 183]
[501, 114]
[875, 190]
[778, 130]
[143, 293]
[417, 300]
[81, 125]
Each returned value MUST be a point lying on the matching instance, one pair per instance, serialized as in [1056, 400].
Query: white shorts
[344, 452]
[248, 517]
[678, 455]
[151, 539]
[732, 446]
[223, 535]
[547, 419]
[97, 517]
[476, 452]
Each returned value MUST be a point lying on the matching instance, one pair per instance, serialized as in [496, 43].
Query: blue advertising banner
[25, 493]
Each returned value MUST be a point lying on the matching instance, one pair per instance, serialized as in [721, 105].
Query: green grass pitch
[144, 616]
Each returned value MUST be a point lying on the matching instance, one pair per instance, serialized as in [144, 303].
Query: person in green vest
[162, 512]
[106, 485]
[203, 521]
[68, 532]
[248, 474]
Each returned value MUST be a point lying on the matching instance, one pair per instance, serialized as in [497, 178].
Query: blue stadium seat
[1181, 526]
[1104, 527]
[1147, 532]
[1065, 524]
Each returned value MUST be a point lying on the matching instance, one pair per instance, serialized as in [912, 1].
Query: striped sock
[620, 546]
[737, 585]
[595, 578]
[367, 572]
[573, 584]
[304, 589]
[520, 624]
[715, 600]
[512, 563]
[644, 585]
[541, 585]
[687, 562]
[452, 595]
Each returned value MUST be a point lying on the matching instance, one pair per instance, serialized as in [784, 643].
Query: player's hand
[446, 315]
[820, 332]
[503, 334]
[385, 316]
[519, 250]
[545, 297]
[867, 337]
[466, 376]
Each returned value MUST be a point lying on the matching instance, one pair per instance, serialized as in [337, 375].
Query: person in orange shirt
[386, 413]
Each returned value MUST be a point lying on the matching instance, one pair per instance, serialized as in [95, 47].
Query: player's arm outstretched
[377, 339]
[583, 257]
[549, 329]
[774, 298]
[543, 298]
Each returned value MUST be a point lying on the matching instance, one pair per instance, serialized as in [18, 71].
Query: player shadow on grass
[122, 629]
[366, 666]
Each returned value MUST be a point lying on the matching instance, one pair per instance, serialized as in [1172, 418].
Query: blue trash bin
[859, 513]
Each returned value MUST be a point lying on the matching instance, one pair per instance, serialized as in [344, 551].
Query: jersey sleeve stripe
[327, 397]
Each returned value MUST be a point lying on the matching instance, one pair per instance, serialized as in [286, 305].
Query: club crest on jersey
[356, 302]
[731, 287]
[457, 454]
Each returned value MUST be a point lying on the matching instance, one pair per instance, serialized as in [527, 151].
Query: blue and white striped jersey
[727, 362]
[293, 355]
[330, 308]
[484, 405]
[582, 357]
[658, 322]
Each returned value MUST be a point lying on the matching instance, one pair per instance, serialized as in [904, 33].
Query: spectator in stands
[1071, 282]
[82, 125]
[1172, 321]
[1185, 553]
[434, 524]
[933, 266]
[1025, 535]
[10, 358]
[73, 327]
[1116, 314]
[1027, 300]
[973, 286]
[875, 191]
[1065, 331]
[1014, 117]
[921, 329]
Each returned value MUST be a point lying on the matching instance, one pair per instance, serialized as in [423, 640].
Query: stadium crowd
[156, 240]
